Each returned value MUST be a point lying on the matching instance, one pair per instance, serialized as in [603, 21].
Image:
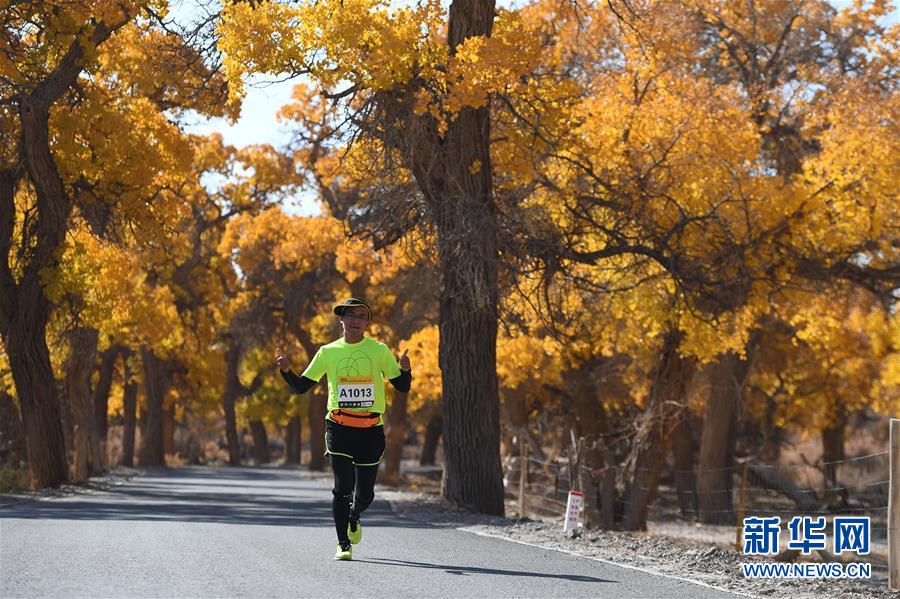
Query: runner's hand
[283, 363]
[404, 362]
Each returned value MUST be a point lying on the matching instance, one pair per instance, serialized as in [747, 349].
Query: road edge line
[608, 562]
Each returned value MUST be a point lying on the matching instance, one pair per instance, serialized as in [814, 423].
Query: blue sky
[257, 123]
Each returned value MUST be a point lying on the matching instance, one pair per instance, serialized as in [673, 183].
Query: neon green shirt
[356, 373]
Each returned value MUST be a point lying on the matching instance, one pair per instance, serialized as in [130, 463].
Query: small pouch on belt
[357, 419]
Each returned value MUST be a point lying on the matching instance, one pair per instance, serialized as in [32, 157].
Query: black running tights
[356, 483]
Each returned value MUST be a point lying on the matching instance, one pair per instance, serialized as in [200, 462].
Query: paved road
[204, 532]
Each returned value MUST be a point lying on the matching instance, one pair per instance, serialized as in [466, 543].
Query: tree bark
[101, 391]
[260, 442]
[683, 464]
[12, 433]
[397, 426]
[833, 446]
[471, 405]
[585, 389]
[29, 360]
[129, 409]
[433, 431]
[318, 403]
[773, 436]
[66, 420]
[664, 404]
[607, 489]
[168, 426]
[592, 462]
[515, 420]
[155, 382]
[728, 376]
[229, 399]
[79, 367]
[293, 436]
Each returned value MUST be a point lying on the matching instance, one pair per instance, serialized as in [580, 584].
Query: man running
[356, 366]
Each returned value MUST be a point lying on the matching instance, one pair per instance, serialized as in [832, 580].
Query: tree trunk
[129, 409]
[12, 433]
[101, 396]
[728, 377]
[453, 172]
[79, 367]
[101, 391]
[592, 462]
[26, 310]
[293, 436]
[467, 247]
[683, 464]
[773, 436]
[318, 403]
[260, 442]
[833, 446]
[142, 412]
[169, 426]
[471, 406]
[586, 389]
[664, 404]
[155, 382]
[397, 426]
[229, 399]
[24, 307]
[432, 436]
[590, 420]
[607, 489]
[515, 420]
[29, 360]
[66, 420]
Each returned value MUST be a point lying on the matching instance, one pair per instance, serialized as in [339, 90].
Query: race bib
[356, 392]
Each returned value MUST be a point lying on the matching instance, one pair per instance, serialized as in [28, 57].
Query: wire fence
[857, 486]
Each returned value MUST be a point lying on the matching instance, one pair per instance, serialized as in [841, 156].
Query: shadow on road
[465, 570]
[239, 496]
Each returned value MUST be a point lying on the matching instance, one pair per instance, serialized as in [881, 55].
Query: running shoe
[354, 531]
[344, 552]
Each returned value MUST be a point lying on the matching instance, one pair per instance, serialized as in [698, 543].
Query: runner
[356, 366]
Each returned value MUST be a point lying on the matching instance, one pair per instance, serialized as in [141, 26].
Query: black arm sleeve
[300, 384]
[402, 382]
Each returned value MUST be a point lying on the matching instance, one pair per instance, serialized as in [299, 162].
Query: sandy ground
[652, 552]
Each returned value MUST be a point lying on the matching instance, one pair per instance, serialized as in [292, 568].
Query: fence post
[894, 508]
[742, 498]
[523, 476]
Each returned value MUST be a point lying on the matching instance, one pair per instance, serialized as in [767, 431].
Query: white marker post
[573, 510]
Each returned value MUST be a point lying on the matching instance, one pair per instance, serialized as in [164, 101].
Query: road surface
[247, 532]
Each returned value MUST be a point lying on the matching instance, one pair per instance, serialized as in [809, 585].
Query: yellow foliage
[290, 243]
[840, 353]
[360, 42]
[423, 357]
[113, 294]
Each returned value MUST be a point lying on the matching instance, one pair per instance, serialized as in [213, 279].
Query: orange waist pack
[355, 419]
